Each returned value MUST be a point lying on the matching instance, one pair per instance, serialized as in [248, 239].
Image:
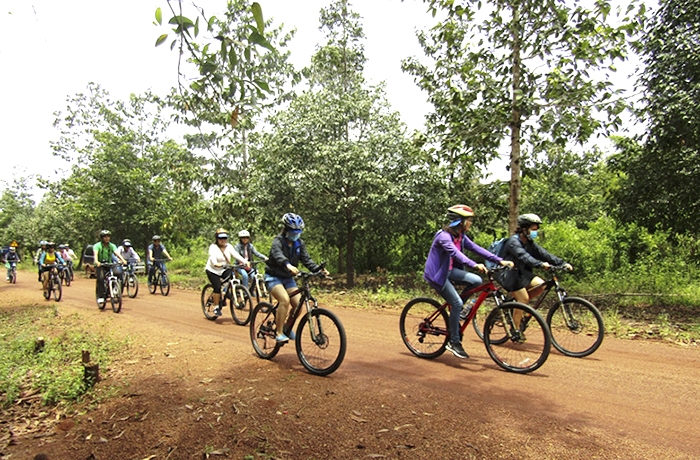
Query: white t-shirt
[128, 254]
[217, 260]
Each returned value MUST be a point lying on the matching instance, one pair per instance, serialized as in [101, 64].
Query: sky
[50, 50]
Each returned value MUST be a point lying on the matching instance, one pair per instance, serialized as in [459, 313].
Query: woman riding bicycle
[521, 248]
[281, 267]
[446, 262]
[220, 255]
[246, 249]
[47, 261]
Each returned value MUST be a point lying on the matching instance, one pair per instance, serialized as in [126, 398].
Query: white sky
[51, 49]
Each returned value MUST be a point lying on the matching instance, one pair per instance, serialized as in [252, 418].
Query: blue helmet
[293, 221]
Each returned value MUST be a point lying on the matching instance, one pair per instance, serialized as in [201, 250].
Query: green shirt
[103, 254]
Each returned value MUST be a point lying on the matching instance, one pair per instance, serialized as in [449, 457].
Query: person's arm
[135, 255]
[150, 253]
[41, 258]
[116, 252]
[306, 258]
[237, 256]
[468, 244]
[256, 253]
[542, 254]
[165, 253]
[444, 240]
[515, 247]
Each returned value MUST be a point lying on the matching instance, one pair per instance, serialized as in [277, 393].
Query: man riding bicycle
[105, 253]
[11, 261]
[126, 251]
[156, 252]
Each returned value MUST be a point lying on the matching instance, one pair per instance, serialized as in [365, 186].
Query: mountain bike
[112, 289]
[64, 274]
[53, 287]
[130, 281]
[320, 337]
[12, 272]
[160, 279]
[575, 324]
[256, 283]
[424, 327]
[239, 298]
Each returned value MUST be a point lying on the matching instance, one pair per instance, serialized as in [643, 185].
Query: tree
[534, 71]
[659, 174]
[16, 209]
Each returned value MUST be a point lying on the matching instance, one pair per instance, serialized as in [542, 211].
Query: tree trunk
[349, 256]
[514, 203]
[341, 259]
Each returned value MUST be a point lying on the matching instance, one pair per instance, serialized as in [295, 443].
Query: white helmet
[244, 234]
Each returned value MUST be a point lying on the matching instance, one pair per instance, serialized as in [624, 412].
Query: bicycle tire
[520, 353]
[424, 339]
[208, 302]
[576, 333]
[132, 286]
[56, 290]
[263, 331]
[164, 285]
[115, 295]
[241, 304]
[13, 277]
[154, 285]
[67, 279]
[324, 354]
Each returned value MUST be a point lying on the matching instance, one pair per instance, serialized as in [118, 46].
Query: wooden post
[91, 372]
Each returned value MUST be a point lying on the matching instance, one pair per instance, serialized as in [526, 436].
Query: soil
[189, 388]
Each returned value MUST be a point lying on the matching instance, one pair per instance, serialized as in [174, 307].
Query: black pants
[215, 279]
[100, 285]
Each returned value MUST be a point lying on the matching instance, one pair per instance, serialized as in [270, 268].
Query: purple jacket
[442, 250]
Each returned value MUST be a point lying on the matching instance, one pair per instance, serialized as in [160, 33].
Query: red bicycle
[424, 328]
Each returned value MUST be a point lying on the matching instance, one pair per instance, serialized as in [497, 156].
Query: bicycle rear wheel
[528, 343]
[321, 342]
[263, 331]
[577, 327]
[423, 329]
[241, 304]
[208, 302]
[132, 286]
[115, 294]
[56, 289]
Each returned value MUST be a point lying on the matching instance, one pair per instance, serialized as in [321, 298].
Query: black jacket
[281, 254]
[525, 257]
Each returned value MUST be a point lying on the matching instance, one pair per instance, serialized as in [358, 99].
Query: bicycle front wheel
[164, 284]
[13, 277]
[153, 284]
[132, 286]
[208, 302]
[263, 331]
[66, 277]
[115, 294]
[56, 290]
[321, 342]
[423, 328]
[528, 341]
[241, 304]
[577, 327]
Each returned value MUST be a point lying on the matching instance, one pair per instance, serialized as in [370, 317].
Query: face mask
[533, 235]
[293, 236]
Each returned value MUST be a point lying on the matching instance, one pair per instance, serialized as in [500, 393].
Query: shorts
[272, 281]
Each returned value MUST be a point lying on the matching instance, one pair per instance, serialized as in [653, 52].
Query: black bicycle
[320, 337]
[256, 283]
[64, 274]
[53, 287]
[239, 299]
[130, 281]
[160, 279]
[112, 289]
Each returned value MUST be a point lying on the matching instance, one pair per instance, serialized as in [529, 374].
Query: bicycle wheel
[66, 276]
[576, 326]
[528, 344]
[132, 286]
[56, 289]
[115, 294]
[241, 304]
[154, 284]
[208, 302]
[263, 331]
[423, 329]
[479, 319]
[13, 277]
[164, 284]
[321, 342]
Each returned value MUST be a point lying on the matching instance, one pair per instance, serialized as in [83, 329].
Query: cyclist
[285, 253]
[126, 251]
[68, 255]
[11, 259]
[220, 255]
[446, 262]
[521, 248]
[105, 253]
[37, 256]
[156, 251]
[246, 249]
[49, 257]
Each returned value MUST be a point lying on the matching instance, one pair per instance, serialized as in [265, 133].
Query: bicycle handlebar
[558, 268]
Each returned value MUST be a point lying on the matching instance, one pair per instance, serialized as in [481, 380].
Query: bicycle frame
[551, 283]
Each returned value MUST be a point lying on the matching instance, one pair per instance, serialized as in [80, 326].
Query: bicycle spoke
[321, 342]
[263, 331]
[424, 331]
[577, 327]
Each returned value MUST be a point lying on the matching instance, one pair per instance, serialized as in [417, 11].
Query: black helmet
[525, 220]
[156, 237]
[105, 233]
[293, 221]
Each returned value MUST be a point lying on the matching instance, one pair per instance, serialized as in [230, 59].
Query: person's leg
[244, 276]
[294, 301]
[280, 294]
[100, 286]
[45, 279]
[535, 287]
[151, 272]
[449, 293]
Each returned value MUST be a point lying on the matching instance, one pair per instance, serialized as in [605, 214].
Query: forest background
[262, 137]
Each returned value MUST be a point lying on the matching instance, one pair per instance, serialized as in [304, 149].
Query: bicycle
[112, 289]
[53, 288]
[256, 283]
[130, 281]
[320, 337]
[12, 273]
[240, 299]
[160, 279]
[575, 324]
[424, 329]
[64, 274]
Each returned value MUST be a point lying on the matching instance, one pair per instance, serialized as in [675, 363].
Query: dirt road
[189, 388]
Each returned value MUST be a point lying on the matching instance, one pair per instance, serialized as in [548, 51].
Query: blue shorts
[272, 281]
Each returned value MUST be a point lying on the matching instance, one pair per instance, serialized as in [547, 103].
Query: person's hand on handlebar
[507, 263]
[568, 267]
[292, 269]
[481, 268]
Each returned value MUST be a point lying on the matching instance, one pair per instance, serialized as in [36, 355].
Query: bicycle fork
[315, 326]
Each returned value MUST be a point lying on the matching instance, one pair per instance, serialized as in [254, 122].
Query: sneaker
[100, 300]
[217, 311]
[457, 350]
[281, 338]
[292, 335]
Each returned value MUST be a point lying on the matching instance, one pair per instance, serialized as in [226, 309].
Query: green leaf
[257, 14]
[258, 39]
[263, 85]
[161, 39]
[196, 27]
[159, 17]
[210, 23]
[181, 20]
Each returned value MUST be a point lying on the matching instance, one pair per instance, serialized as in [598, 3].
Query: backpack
[496, 248]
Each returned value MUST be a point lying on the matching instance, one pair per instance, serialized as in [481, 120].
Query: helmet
[50, 244]
[221, 233]
[43, 243]
[459, 212]
[127, 243]
[61, 246]
[293, 221]
[156, 237]
[525, 220]
[67, 245]
[244, 234]
[12, 249]
[105, 233]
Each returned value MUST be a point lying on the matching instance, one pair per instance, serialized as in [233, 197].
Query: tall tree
[535, 72]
